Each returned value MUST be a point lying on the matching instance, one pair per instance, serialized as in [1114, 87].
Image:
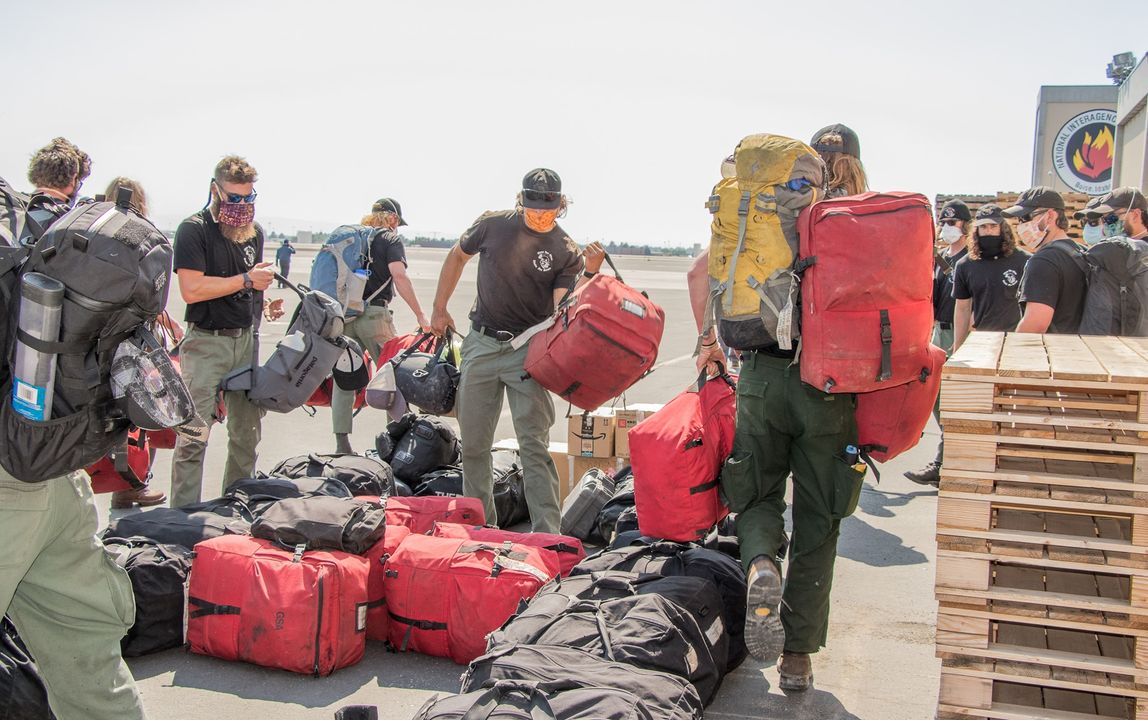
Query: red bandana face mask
[236, 214]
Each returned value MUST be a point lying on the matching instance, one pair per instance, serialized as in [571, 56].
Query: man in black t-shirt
[527, 265]
[1053, 287]
[222, 276]
[387, 268]
[987, 282]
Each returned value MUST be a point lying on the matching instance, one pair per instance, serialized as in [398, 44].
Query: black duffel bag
[262, 490]
[159, 580]
[22, 692]
[622, 499]
[414, 445]
[175, 526]
[323, 523]
[426, 375]
[362, 475]
[668, 696]
[538, 701]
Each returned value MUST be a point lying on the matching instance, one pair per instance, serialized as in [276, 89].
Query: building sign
[1084, 149]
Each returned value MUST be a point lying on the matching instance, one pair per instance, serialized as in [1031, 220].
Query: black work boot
[928, 475]
[343, 443]
[357, 712]
[764, 634]
[796, 670]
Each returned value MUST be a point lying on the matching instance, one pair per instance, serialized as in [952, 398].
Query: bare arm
[1037, 318]
[406, 291]
[698, 282]
[448, 278]
[962, 322]
[195, 287]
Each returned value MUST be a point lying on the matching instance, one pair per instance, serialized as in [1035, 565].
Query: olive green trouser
[490, 368]
[204, 361]
[785, 426]
[371, 329]
[68, 599]
[942, 338]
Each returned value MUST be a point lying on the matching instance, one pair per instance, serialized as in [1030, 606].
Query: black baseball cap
[1090, 208]
[1125, 198]
[1036, 198]
[956, 209]
[541, 189]
[851, 145]
[389, 205]
[989, 214]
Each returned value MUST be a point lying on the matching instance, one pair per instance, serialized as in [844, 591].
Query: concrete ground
[879, 662]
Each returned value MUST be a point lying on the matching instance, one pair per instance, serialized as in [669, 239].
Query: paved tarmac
[879, 662]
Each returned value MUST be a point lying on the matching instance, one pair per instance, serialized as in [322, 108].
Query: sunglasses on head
[235, 197]
[545, 196]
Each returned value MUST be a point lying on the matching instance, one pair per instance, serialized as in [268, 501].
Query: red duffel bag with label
[303, 611]
[569, 550]
[604, 338]
[444, 595]
[676, 455]
[891, 421]
[866, 267]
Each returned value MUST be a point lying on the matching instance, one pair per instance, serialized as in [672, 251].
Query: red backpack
[891, 421]
[126, 467]
[866, 267]
[605, 337]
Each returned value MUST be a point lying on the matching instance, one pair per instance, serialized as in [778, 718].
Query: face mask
[1030, 233]
[1113, 229]
[236, 214]
[540, 220]
[1093, 234]
[990, 246]
[951, 233]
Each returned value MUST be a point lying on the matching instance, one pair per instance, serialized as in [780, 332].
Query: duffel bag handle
[539, 707]
[704, 377]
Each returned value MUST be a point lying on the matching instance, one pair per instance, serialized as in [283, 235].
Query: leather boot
[796, 670]
[144, 497]
[764, 634]
[928, 475]
[343, 443]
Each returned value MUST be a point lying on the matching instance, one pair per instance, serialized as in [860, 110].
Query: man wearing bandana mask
[1123, 213]
[528, 263]
[222, 276]
[985, 284]
[57, 170]
[1053, 288]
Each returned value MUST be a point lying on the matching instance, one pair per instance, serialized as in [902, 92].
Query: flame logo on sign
[1094, 157]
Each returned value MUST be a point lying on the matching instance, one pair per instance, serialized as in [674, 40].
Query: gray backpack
[302, 360]
[1117, 273]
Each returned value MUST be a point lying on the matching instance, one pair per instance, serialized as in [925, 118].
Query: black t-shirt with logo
[1052, 277]
[518, 271]
[943, 267]
[992, 284]
[386, 248]
[200, 246]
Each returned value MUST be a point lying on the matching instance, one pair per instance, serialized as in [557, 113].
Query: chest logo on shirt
[1008, 277]
[543, 261]
[249, 256]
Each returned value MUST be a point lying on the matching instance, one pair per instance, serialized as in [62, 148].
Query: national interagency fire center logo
[1083, 151]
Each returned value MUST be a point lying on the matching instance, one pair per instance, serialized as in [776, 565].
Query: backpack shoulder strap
[1080, 257]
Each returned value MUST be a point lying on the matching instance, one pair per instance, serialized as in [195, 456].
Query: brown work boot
[796, 670]
[764, 634]
[144, 497]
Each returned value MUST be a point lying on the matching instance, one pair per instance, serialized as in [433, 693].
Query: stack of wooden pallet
[1042, 529]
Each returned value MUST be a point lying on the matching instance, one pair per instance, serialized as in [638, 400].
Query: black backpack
[414, 445]
[323, 523]
[180, 526]
[648, 631]
[623, 498]
[669, 696]
[362, 475]
[259, 492]
[22, 692]
[116, 268]
[1117, 273]
[671, 559]
[159, 582]
[514, 700]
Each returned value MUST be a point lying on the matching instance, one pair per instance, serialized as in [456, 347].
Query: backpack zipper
[319, 627]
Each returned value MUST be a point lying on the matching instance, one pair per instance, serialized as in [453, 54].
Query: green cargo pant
[785, 426]
[942, 338]
[371, 329]
[490, 367]
[204, 360]
[68, 599]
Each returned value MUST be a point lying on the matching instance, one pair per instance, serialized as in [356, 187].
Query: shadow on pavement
[873, 546]
[880, 503]
[748, 695]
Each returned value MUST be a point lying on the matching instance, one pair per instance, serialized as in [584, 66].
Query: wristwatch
[588, 275]
[247, 284]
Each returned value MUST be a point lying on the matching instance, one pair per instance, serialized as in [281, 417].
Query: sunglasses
[1092, 221]
[1110, 219]
[545, 196]
[235, 197]
[1034, 215]
[950, 223]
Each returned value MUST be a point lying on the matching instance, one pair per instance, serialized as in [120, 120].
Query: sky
[446, 104]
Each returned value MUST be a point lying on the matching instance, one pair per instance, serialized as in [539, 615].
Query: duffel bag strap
[886, 371]
[207, 607]
[530, 699]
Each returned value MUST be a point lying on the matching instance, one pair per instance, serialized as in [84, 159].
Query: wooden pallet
[980, 694]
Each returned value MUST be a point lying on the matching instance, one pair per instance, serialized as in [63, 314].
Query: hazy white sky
[445, 104]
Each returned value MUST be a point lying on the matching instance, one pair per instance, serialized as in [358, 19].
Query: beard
[238, 234]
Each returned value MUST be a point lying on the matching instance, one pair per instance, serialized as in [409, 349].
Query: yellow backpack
[753, 242]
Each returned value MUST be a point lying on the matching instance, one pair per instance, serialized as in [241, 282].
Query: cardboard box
[592, 434]
[626, 418]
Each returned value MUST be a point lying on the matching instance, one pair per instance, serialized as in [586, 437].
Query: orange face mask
[540, 220]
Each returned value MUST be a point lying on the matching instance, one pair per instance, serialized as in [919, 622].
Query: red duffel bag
[378, 622]
[604, 338]
[419, 514]
[444, 595]
[676, 455]
[126, 467]
[301, 611]
[569, 550]
[891, 421]
[866, 268]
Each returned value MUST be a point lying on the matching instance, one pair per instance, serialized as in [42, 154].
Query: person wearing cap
[954, 225]
[1089, 220]
[1123, 212]
[987, 282]
[283, 260]
[787, 428]
[387, 268]
[527, 264]
[1053, 287]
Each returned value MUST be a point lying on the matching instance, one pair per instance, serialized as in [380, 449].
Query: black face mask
[990, 246]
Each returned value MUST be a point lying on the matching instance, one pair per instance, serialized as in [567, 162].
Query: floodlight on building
[1121, 67]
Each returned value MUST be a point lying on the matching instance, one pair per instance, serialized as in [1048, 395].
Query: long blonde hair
[139, 197]
[846, 173]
